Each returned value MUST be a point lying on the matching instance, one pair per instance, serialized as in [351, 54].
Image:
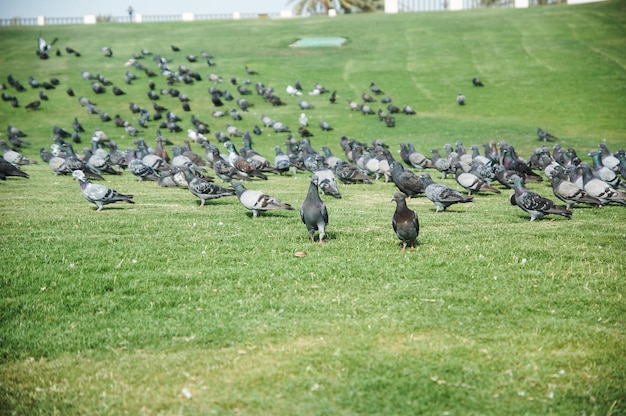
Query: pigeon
[569, 192]
[608, 159]
[333, 97]
[405, 222]
[33, 105]
[8, 169]
[43, 47]
[349, 174]
[471, 182]
[281, 160]
[621, 156]
[326, 178]
[293, 91]
[413, 158]
[604, 173]
[598, 188]
[140, 169]
[241, 164]
[13, 157]
[222, 167]
[460, 99]
[441, 195]
[533, 203]
[257, 201]
[325, 126]
[204, 189]
[313, 212]
[99, 194]
[405, 180]
[407, 109]
[374, 88]
[544, 135]
[442, 165]
[303, 120]
[477, 82]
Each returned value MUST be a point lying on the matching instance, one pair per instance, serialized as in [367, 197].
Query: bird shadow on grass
[269, 214]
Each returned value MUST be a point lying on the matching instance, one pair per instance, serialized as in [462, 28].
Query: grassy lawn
[166, 308]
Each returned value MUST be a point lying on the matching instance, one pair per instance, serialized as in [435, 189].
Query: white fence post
[455, 5]
[391, 6]
[90, 19]
[41, 21]
[188, 17]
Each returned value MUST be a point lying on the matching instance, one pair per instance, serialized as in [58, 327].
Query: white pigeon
[293, 91]
[304, 120]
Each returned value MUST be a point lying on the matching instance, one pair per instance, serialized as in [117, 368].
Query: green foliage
[163, 307]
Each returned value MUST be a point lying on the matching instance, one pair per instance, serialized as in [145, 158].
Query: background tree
[346, 6]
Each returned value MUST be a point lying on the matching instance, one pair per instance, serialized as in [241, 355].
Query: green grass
[117, 312]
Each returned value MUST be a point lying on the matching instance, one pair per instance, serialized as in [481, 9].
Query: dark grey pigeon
[405, 222]
[99, 194]
[8, 169]
[477, 82]
[441, 195]
[313, 212]
[544, 135]
[533, 203]
[374, 88]
[406, 181]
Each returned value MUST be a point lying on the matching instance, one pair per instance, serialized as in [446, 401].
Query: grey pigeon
[349, 174]
[604, 173]
[544, 135]
[140, 169]
[441, 195]
[99, 194]
[460, 99]
[204, 189]
[281, 160]
[257, 201]
[569, 192]
[405, 222]
[598, 188]
[13, 157]
[313, 212]
[533, 203]
[241, 164]
[326, 178]
[374, 88]
[608, 159]
[471, 182]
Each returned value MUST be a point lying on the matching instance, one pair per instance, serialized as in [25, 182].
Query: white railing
[135, 18]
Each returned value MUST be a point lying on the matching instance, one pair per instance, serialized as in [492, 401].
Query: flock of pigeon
[573, 181]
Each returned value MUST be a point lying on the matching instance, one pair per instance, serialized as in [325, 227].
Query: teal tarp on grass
[319, 42]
